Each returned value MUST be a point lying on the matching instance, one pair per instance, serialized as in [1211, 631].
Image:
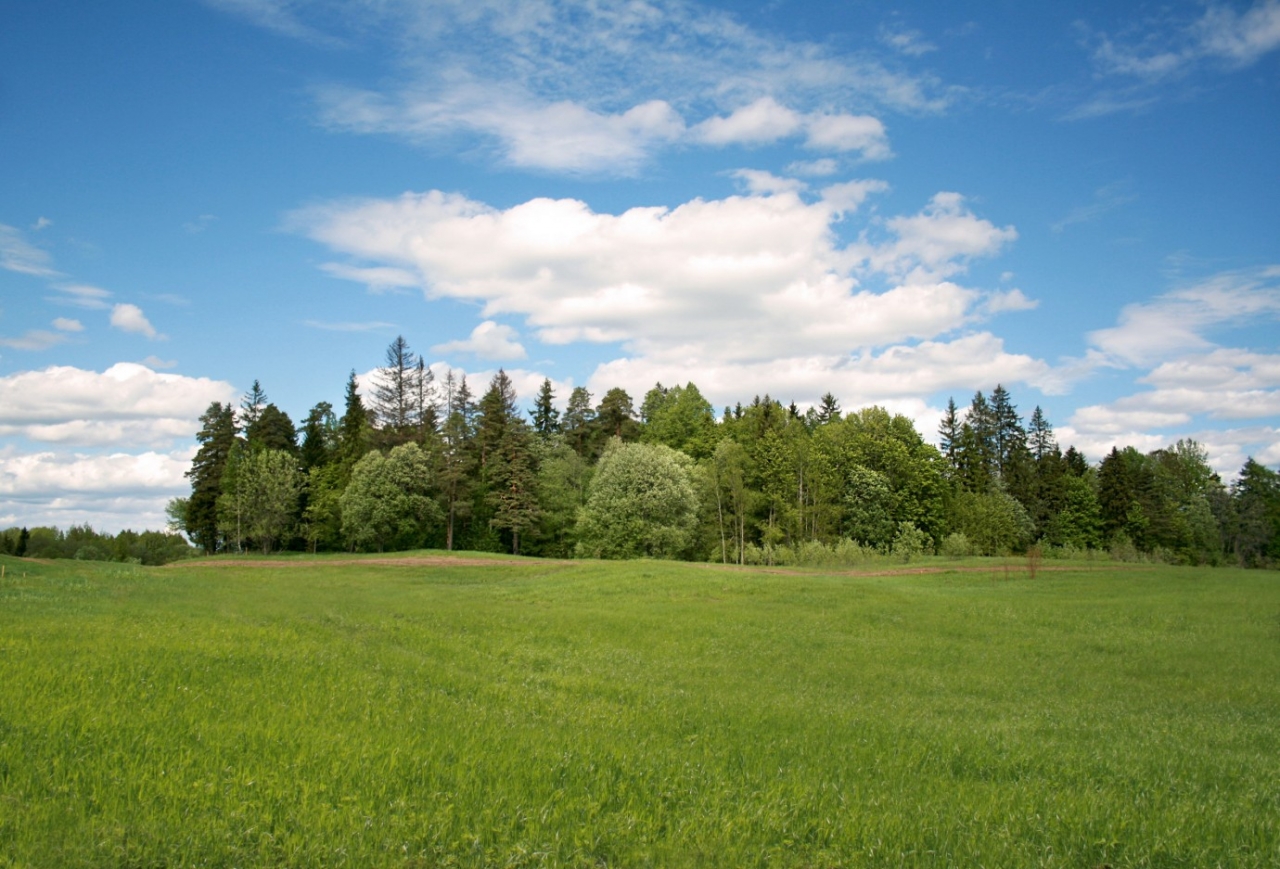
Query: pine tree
[426, 415]
[616, 414]
[456, 456]
[272, 430]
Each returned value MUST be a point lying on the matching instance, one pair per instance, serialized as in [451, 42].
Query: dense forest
[424, 462]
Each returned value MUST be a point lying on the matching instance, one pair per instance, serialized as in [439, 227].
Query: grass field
[497, 712]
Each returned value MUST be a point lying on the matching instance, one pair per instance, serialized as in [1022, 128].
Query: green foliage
[994, 522]
[82, 543]
[909, 543]
[955, 545]
[640, 503]
[388, 502]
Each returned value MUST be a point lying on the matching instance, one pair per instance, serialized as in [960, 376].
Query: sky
[896, 204]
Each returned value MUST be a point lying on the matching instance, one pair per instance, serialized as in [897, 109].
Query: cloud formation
[738, 284]
[129, 318]
[126, 405]
[599, 87]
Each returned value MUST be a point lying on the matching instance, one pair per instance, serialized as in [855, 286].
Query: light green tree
[388, 502]
[641, 502]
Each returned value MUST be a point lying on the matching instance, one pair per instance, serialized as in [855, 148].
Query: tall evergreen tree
[579, 419]
[319, 436]
[354, 428]
[949, 434]
[251, 405]
[828, 409]
[457, 459]
[217, 436]
[426, 415]
[395, 395]
[272, 430]
[546, 419]
[616, 415]
[1040, 438]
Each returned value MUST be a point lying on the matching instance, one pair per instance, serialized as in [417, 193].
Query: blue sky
[894, 203]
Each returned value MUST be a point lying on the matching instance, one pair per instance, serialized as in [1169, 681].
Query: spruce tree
[579, 417]
[217, 437]
[251, 405]
[546, 419]
[395, 396]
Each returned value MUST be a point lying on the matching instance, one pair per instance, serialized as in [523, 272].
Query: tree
[640, 503]
[396, 389]
[728, 470]
[456, 456]
[512, 480]
[828, 409]
[616, 415]
[216, 437]
[265, 494]
[272, 430]
[546, 419]
[1256, 494]
[319, 437]
[579, 419]
[993, 521]
[252, 404]
[388, 502]
[949, 434]
[869, 508]
[680, 418]
[1040, 436]
[354, 429]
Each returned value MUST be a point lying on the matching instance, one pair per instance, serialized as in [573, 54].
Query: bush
[956, 545]
[910, 542]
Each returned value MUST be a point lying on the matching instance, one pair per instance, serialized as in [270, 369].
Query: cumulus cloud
[766, 121]
[489, 340]
[737, 284]
[111, 492]
[128, 404]
[129, 318]
[1192, 381]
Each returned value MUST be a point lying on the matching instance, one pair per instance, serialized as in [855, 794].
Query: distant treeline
[82, 542]
[426, 463]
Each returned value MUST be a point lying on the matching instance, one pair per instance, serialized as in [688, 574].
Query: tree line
[426, 463]
[83, 543]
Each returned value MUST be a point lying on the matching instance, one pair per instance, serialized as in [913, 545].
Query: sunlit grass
[308, 712]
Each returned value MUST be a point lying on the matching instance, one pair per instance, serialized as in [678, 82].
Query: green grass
[305, 712]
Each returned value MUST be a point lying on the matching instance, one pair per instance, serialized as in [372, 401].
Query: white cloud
[814, 168]
[937, 242]
[42, 223]
[129, 318]
[83, 295]
[760, 182]
[1173, 323]
[763, 121]
[1171, 49]
[842, 132]
[128, 404]
[600, 87]
[489, 340]
[1009, 300]
[731, 285]
[19, 255]
[34, 339]
[66, 324]
[766, 120]
[111, 492]
[905, 40]
[377, 279]
[153, 362]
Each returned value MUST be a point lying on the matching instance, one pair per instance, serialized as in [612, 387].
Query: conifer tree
[251, 405]
[395, 395]
[217, 436]
[546, 419]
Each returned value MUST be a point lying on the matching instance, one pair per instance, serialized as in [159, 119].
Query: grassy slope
[527, 713]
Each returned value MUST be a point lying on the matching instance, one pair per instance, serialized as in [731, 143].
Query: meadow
[420, 711]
